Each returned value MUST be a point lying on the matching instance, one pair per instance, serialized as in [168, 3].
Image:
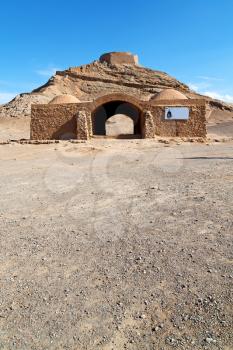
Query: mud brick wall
[195, 126]
[73, 120]
[53, 121]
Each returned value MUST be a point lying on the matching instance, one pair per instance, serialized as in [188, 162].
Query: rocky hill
[115, 72]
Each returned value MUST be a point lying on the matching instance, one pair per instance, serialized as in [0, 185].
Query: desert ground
[116, 244]
[220, 125]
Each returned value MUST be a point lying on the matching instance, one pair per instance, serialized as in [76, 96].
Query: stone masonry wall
[83, 132]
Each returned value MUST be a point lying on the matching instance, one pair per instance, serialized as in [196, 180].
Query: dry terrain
[220, 124]
[116, 244]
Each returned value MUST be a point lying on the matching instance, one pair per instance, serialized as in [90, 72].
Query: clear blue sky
[191, 40]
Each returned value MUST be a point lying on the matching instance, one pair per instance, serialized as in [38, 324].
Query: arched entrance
[117, 117]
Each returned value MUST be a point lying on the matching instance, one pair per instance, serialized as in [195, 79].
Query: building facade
[169, 113]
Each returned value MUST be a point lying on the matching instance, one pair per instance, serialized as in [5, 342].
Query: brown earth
[220, 124]
[116, 244]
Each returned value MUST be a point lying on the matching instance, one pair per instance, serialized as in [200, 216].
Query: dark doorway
[117, 108]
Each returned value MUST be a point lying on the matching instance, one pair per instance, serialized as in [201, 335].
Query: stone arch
[107, 106]
[114, 97]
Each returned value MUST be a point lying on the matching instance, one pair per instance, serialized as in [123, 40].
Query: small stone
[142, 316]
[139, 258]
[210, 340]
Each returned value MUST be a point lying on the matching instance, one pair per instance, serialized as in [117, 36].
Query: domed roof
[64, 99]
[169, 94]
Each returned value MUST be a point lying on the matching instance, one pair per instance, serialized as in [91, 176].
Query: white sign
[176, 113]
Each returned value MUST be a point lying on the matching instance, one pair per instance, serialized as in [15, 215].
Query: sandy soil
[14, 128]
[220, 125]
[116, 244]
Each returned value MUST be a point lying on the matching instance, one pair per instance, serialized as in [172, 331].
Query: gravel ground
[116, 244]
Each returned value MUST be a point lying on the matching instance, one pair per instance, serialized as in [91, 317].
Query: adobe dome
[169, 94]
[64, 99]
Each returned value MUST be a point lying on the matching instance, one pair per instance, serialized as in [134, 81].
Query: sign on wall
[176, 113]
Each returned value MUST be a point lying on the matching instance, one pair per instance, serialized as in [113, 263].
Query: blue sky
[191, 40]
